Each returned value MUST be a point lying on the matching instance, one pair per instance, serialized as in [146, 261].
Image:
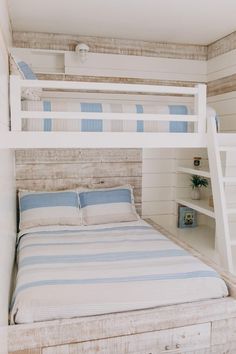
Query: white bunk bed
[19, 139]
[182, 328]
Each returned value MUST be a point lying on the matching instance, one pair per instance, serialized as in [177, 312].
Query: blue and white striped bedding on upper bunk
[67, 272]
[99, 125]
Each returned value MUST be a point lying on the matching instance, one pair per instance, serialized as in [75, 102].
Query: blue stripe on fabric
[62, 232]
[178, 127]
[140, 123]
[101, 257]
[105, 197]
[27, 71]
[91, 125]
[44, 200]
[119, 228]
[94, 242]
[47, 122]
[148, 277]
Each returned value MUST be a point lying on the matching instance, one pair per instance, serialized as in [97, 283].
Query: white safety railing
[17, 114]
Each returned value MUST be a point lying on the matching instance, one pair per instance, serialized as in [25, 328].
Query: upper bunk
[136, 112]
[145, 122]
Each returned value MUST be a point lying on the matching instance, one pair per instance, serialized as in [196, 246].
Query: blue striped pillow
[22, 69]
[103, 206]
[48, 208]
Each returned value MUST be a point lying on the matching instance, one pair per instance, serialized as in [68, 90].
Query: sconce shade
[82, 50]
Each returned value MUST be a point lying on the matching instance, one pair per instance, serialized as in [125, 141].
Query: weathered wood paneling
[223, 45]
[77, 155]
[57, 169]
[175, 340]
[71, 331]
[122, 80]
[224, 331]
[59, 183]
[27, 351]
[78, 170]
[220, 86]
[109, 45]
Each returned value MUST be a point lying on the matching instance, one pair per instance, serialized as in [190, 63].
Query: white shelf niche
[193, 171]
[199, 205]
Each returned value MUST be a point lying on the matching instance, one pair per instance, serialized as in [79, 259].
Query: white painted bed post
[222, 225]
[15, 102]
[200, 102]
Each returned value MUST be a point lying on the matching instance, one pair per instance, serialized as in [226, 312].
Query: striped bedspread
[92, 270]
[99, 125]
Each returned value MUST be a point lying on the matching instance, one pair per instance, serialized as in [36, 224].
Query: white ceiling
[182, 21]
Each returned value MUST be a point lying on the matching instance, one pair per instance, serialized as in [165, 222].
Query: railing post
[15, 102]
[200, 103]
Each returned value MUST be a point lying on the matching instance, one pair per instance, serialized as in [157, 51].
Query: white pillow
[48, 208]
[110, 205]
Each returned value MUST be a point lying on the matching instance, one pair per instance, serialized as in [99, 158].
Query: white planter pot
[196, 193]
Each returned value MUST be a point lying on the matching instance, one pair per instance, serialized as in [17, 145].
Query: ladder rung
[229, 179]
[231, 210]
[227, 148]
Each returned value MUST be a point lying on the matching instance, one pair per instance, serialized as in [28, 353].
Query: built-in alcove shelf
[194, 171]
[199, 205]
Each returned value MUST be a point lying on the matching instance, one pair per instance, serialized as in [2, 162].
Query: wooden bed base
[202, 327]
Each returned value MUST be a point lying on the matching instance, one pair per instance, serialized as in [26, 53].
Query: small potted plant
[197, 182]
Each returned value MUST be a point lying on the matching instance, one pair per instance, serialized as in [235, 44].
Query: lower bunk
[198, 327]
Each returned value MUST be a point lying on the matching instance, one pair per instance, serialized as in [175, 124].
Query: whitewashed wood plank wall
[45, 169]
[109, 45]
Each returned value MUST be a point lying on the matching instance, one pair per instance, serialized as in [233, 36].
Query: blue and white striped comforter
[99, 125]
[92, 270]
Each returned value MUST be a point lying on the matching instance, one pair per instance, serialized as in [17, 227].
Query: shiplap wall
[221, 77]
[162, 184]
[125, 61]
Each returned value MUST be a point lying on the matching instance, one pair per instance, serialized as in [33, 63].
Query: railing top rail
[138, 88]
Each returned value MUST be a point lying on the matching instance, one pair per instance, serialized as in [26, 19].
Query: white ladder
[222, 211]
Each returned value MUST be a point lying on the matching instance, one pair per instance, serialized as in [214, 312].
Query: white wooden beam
[91, 86]
[24, 140]
[109, 116]
[15, 102]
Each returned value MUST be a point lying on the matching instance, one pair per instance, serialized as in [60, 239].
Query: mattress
[99, 125]
[101, 269]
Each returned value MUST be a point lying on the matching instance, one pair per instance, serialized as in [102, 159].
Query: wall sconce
[82, 50]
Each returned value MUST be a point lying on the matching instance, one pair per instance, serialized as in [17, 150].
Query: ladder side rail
[220, 207]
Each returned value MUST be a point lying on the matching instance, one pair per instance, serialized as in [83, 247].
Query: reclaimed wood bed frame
[202, 327]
